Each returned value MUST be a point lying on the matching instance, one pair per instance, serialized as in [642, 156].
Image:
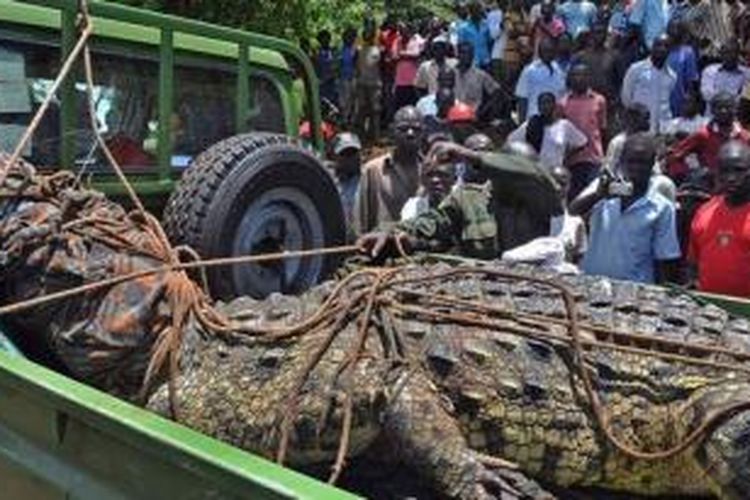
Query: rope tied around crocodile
[387, 292]
[53, 226]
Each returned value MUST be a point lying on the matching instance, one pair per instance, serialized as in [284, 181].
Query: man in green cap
[506, 200]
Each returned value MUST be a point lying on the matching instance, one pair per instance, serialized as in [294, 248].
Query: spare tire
[253, 194]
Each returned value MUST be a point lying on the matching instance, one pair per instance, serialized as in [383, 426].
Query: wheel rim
[281, 219]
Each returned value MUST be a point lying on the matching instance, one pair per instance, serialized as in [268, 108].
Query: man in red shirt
[587, 110]
[706, 142]
[720, 234]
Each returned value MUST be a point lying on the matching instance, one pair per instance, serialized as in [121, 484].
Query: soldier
[479, 219]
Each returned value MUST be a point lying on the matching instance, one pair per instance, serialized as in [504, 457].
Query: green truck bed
[60, 439]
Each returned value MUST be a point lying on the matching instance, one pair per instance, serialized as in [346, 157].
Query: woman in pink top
[410, 49]
[587, 110]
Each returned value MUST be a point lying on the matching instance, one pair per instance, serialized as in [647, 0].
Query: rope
[382, 283]
[184, 296]
[186, 299]
[67, 66]
[182, 266]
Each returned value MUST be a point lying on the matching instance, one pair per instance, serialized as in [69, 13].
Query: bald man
[389, 181]
[720, 233]
[633, 235]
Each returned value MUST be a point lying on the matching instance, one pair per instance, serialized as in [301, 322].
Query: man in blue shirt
[684, 62]
[633, 235]
[476, 32]
[347, 70]
[578, 15]
[650, 16]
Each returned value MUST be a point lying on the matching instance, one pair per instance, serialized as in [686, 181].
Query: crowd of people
[607, 138]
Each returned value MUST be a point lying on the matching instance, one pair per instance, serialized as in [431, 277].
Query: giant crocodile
[462, 393]
[468, 376]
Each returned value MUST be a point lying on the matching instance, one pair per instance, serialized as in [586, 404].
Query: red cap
[461, 113]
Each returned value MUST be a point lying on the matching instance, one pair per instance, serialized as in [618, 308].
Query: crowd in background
[628, 116]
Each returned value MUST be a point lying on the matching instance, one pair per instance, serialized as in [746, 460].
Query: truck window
[27, 71]
[126, 103]
[266, 109]
[205, 100]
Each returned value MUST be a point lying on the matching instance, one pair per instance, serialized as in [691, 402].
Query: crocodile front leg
[725, 455]
[428, 438]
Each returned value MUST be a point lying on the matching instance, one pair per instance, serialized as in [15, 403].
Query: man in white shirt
[650, 82]
[495, 20]
[427, 74]
[553, 138]
[727, 76]
[540, 76]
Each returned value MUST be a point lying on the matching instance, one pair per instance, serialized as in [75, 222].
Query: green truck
[171, 93]
[168, 93]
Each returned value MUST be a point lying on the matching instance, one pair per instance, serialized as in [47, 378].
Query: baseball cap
[344, 141]
[461, 113]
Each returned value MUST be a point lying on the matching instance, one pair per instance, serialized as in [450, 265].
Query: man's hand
[605, 179]
[380, 243]
[442, 152]
[373, 244]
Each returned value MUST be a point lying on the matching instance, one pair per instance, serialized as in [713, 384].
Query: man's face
[439, 51]
[641, 122]
[599, 36]
[465, 56]
[438, 182]
[324, 39]
[446, 79]
[637, 164]
[547, 105]
[674, 30]
[408, 132]
[348, 162]
[730, 55]
[578, 79]
[546, 51]
[734, 173]
[723, 111]
[659, 51]
[476, 11]
[548, 10]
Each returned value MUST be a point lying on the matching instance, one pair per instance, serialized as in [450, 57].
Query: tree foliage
[294, 19]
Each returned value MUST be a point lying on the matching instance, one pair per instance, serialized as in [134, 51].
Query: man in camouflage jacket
[507, 201]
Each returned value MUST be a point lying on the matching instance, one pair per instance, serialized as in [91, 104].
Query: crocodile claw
[507, 484]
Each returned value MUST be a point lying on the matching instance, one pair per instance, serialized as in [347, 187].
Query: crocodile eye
[442, 359]
[540, 350]
[604, 370]
[534, 390]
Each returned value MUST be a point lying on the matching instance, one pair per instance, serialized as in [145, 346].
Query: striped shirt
[706, 23]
